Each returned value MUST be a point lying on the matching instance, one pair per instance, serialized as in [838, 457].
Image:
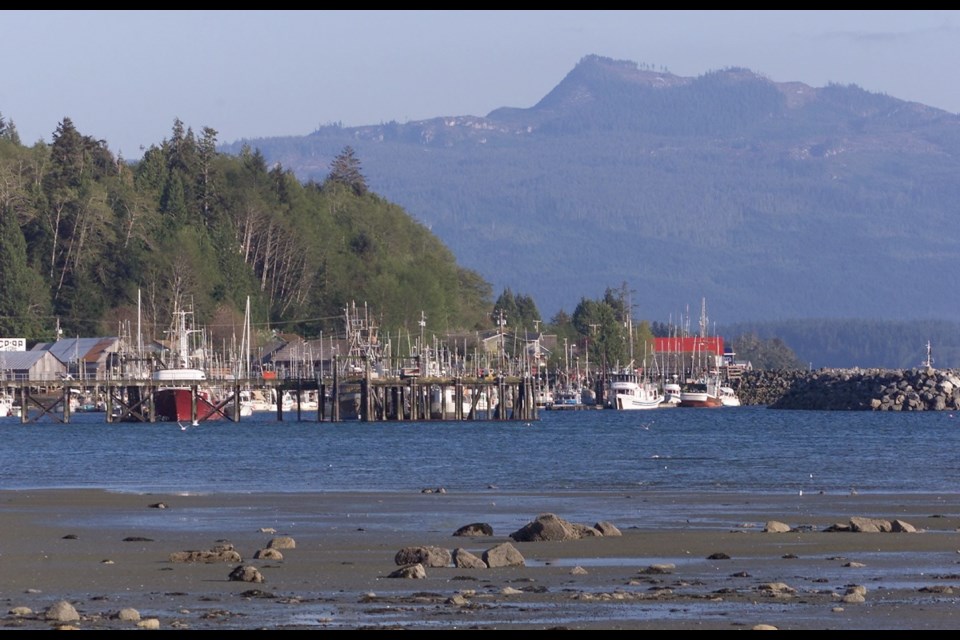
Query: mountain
[771, 200]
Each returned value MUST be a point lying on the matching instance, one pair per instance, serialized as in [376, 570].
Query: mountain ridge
[772, 200]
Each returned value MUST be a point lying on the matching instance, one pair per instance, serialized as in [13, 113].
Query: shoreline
[103, 551]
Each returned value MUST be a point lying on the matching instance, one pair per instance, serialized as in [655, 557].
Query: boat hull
[627, 402]
[174, 405]
[699, 400]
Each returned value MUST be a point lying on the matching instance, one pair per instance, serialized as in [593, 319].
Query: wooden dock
[362, 398]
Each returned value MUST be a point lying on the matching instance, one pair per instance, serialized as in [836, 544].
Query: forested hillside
[89, 242]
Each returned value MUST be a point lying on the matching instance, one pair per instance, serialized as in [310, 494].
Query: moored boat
[183, 393]
[628, 392]
[699, 394]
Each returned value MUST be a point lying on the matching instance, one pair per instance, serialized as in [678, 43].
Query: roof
[73, 349]
[21, 360]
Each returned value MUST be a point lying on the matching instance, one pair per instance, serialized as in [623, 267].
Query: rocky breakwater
[921, 389]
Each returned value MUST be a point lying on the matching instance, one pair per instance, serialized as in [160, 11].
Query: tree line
[91, 243]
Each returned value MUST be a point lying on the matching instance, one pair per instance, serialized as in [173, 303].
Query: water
[751, 449]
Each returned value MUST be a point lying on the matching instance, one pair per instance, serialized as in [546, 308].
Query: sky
[126, 76]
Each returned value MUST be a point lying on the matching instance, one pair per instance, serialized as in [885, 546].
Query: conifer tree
[22, 301]
[345, 169]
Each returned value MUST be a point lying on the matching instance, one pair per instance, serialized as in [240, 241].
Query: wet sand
[683, 561]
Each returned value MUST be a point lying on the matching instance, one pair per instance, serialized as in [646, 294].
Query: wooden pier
[364, 398]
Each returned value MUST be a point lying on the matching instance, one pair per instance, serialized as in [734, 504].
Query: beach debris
[503, 555]
[549, 527]
[127, 614]
[474, 529]
[414, 571]
[463, 559]
[62, 611]
[855, 565]
[220, 553]
[268, 554]
[149, 623]
[578, 571]
[775, 526]
[246, 573]
[429, 556]
[283, 542]
[269, 530]
[510, 591]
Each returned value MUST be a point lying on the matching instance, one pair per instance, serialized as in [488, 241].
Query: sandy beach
[682, 561]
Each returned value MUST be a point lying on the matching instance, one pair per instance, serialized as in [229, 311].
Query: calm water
[725, 450]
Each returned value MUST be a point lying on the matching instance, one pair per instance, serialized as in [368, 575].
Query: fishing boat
[183, 393]
[628, 392]
[728, 397]
[699, 394]
[671, 394]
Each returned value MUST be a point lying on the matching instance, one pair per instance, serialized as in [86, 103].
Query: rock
[474, 529]
[870, 525]
[548, 527]
[413, 571]
[224, 553]
[773, 526]
[246, 573]
[463, 559]
[268, 554]
[659, 569]
[899, 526]
[149, 623]
[128, 615]
[776, 587]
[428, 556]
[283, 542]
[62, 611]
[503, 555]
[607, 529]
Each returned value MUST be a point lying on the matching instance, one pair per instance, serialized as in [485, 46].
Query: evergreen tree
[345, 170]
[8, 131]
[23, 303]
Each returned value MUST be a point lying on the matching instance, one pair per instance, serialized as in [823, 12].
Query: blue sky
[124, 76]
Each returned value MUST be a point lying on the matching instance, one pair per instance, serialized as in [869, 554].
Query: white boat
[443, 405]
[6, 406]
[728, 396]
[671, 394]
[709, 393]
[628, 392]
